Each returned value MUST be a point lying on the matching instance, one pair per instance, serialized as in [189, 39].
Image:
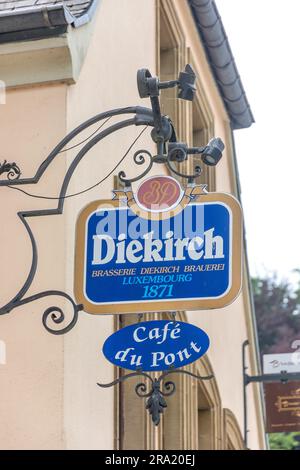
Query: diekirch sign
[161, 249]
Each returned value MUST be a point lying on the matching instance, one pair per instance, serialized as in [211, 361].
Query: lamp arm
[142, 115]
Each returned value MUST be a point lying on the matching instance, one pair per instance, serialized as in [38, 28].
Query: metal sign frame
[161, 305]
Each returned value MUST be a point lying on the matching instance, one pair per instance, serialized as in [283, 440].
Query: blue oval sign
[156, 345]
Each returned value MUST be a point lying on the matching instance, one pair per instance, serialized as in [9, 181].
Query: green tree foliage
[284, 440]
[277, 309]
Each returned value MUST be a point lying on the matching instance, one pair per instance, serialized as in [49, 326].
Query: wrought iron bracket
[163, 133]
[159, 389]
[54, 314]
[283, 377]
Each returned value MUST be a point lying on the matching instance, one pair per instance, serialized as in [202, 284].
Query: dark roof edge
[87, 16]
[221, 60]
[44, 18]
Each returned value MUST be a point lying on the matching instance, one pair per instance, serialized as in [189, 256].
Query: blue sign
[156, 345]
[128, 262]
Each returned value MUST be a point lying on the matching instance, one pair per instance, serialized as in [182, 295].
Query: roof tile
[76, 7]
[222, 62]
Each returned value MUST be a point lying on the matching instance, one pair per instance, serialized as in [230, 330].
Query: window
[233, 436]
[202, 131]
[205, 421]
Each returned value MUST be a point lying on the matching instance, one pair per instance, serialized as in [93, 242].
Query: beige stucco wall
[31, 405]
[49, 397]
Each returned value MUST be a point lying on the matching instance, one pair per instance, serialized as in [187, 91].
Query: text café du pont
[171, 331]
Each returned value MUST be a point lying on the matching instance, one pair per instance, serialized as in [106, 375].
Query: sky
[264, 36]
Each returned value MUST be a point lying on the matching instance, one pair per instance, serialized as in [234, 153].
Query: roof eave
[40, 22]
[87, 16]
[31, 18]
[221, 60]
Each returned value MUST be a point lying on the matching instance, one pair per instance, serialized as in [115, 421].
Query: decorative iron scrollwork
[138, 159]
[142, 116]
[163, 133]
[155, 403]
[53, 313]
[12, 170]
[57, 316]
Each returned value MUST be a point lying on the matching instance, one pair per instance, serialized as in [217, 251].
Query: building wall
[31, 405]
[49, 396]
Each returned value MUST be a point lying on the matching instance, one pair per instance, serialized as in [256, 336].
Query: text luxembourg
[149, 249]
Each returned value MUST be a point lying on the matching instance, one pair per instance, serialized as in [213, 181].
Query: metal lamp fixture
[149, 86]
[212, 153]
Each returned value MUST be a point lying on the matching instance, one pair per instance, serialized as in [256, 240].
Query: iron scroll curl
[12, 170]
[138, 159]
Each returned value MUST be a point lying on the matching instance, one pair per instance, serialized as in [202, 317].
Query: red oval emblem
[159, 193]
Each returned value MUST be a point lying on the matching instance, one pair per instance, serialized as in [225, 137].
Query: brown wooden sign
[282, 407]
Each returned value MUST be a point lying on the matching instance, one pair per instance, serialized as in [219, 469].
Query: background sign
[156, 345]
[282, 400]
[189, 258]
[282, 407]
[275, 363]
